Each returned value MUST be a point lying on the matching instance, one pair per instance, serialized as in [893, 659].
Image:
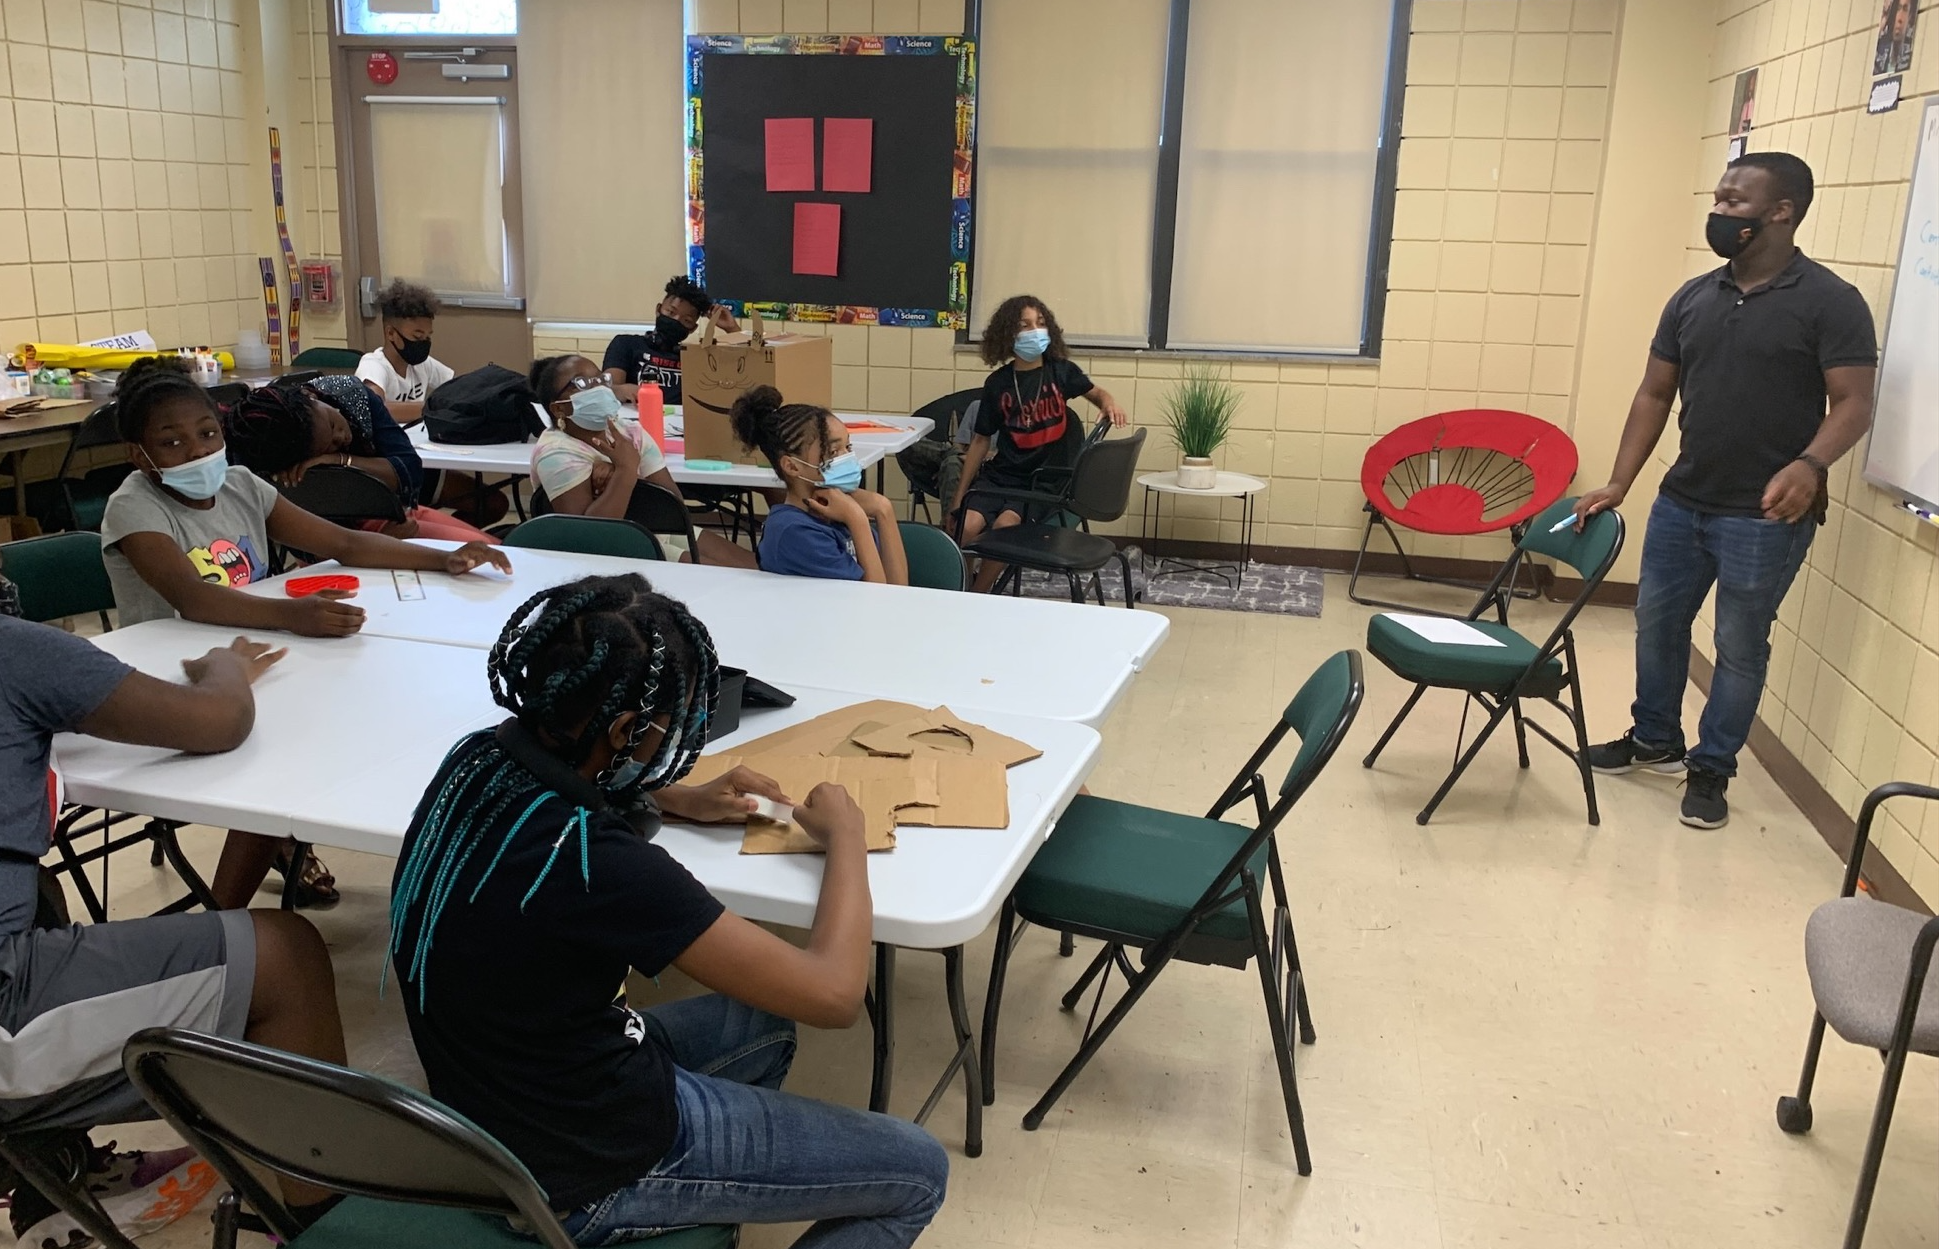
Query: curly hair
[776, 429]
[1000, 335]
[680, 286]
[148, 383]
[407, 301]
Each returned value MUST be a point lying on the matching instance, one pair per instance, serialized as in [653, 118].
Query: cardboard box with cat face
[720, 368]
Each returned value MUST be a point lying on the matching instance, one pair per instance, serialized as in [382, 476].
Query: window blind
[1068, 108]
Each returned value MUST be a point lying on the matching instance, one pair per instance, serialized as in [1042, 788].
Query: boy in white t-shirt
[403, 374]
[402, 371]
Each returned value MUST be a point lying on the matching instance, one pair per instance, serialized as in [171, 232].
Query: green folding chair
[935, 561]
[416, 1173]
[59, 575]
[1179, 886]
[587, 535]
[1502, 668]
[327, 358]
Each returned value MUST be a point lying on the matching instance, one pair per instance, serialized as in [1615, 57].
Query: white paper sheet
[1442, 630]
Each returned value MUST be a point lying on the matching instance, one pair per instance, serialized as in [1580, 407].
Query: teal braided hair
[569, 663]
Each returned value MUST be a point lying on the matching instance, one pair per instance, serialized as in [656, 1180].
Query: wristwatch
[1824, 469]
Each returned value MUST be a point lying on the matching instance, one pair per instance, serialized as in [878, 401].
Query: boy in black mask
[401, 371]
[655, 355]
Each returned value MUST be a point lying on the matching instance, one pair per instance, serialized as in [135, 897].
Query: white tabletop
[1230, 485]
[330, 709]
[514, 459]
[1051, 660]
[939, 887]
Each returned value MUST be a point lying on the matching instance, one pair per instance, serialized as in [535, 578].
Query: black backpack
[487, 405]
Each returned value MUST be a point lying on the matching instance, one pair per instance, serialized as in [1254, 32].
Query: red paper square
[847, 155]
[817, 238]
[791, 153]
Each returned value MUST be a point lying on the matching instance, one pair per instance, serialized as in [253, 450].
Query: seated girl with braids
[529, 887]
[283, 431]
[185, 531]
[829, 526]
[588, 462]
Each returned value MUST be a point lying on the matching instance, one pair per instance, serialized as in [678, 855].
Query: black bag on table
[487, 405]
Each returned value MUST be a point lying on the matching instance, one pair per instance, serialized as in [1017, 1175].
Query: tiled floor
[1532, 1033]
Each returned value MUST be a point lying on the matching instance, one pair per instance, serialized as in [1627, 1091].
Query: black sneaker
[1703, 799]
[1626, 754]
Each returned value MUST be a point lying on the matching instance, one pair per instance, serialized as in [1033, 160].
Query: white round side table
[1246, 489]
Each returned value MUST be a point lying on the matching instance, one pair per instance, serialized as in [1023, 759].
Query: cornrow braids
[269, 432]
[558, 654]
[762, 421]
[147, 384]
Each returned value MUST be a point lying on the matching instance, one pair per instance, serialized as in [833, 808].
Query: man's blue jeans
[748, 1153]
[1752, 562]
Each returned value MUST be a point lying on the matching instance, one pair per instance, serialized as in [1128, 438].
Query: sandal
[316, 888]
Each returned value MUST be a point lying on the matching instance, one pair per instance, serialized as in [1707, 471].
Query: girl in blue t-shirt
[829, 526]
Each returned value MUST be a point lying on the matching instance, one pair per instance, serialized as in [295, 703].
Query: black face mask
[414, 350]
[671, 329]
[1729, 236]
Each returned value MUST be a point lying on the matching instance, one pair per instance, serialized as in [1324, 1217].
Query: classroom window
[430, 17]
[1262, 235]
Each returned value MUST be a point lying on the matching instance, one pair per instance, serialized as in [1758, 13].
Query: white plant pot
[1197, 473]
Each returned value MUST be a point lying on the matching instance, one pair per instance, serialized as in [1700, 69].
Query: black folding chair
[76, 499]
[417, 1174]
[1099, 489]
[1178, 887]
[1869, 963]
[945, 413]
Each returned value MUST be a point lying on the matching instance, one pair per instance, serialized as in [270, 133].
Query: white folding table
[1050, 660]
[320, 768]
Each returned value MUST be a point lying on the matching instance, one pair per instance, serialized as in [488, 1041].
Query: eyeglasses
[577, 384]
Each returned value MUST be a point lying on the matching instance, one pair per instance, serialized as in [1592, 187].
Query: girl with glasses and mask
[655, 355]
[828, 526]
[529, 889]
[594, 454]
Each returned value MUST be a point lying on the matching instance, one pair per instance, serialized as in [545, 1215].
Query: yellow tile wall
[1854, 681]
[124, 165]
[1500, 164]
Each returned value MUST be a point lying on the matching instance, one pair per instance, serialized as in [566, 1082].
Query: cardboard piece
[936, 793]
[719, 368]
[904, 765]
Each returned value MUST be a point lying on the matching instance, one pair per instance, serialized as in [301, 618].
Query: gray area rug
[1279, 588]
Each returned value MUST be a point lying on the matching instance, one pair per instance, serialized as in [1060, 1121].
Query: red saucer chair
[1475, 471]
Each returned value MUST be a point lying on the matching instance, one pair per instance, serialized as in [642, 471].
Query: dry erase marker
[1562, 524]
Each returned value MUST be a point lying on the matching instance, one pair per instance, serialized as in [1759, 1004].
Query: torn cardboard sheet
[903, 764]
[939, 792]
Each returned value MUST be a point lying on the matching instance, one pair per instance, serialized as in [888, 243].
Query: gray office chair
[1868, 962]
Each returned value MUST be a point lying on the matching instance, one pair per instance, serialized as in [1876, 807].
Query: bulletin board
[828, 176]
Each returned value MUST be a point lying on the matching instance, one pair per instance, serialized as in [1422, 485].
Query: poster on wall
[1743, 103]
[1897, 24]
[828, 176]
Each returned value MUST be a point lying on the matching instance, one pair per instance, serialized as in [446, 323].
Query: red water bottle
[653, 413]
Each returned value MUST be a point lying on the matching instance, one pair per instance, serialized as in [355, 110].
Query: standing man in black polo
[1756, 349]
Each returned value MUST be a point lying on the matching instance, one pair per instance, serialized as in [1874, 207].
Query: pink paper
[847, 153]
[817, 238]
[791, 153]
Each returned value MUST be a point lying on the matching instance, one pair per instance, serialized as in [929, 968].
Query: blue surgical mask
[1031, 344]
[595, 408]
[843, 473]
[198, 479]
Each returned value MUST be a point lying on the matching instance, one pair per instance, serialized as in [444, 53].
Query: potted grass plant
[1198, 412]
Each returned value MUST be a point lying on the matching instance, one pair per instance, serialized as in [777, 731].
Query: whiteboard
[1904, 451]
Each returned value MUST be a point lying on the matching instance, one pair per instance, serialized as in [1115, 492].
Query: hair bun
[752, 411]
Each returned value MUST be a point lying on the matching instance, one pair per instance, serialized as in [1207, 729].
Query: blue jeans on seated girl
[1752, 562]
[746, 1152]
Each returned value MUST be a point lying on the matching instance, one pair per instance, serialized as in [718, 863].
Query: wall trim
[1830, 819]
